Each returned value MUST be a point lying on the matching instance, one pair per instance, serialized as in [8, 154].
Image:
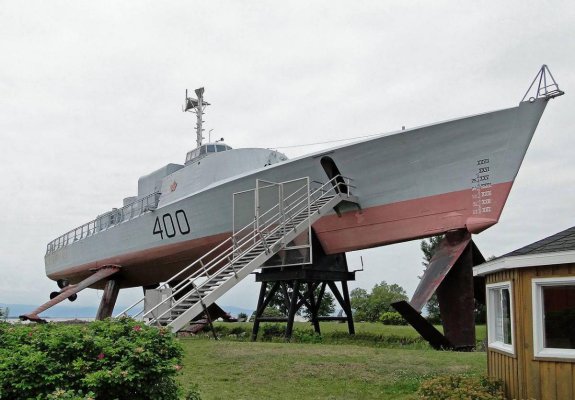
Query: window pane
[211, 148]
[506, 306]
[559, 316]
[221, 147]
[502, 315]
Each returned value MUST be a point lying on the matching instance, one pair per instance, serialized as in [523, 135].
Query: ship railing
[235, 247]
[105, 221]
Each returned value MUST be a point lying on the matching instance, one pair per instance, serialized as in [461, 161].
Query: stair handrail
[198, 271]
[190, 281]
[255, 232]
[225, 254]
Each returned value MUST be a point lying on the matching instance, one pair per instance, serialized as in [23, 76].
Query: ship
[406, 185]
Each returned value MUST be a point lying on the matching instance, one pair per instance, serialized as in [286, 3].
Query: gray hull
[411, 184]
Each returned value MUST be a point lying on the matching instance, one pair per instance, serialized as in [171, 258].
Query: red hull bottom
[354, 230]
[410, 219]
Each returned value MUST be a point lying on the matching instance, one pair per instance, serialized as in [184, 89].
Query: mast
[197, 106]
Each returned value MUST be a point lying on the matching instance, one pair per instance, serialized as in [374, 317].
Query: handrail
[105, 221]
[189, 281]
[224, 254]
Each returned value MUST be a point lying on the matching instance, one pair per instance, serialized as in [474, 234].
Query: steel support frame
[99, 274]
[108, 300]
[450, 275]
[294, 300]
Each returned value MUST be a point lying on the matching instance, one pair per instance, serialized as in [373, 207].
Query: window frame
[492, 343]
[537, 285]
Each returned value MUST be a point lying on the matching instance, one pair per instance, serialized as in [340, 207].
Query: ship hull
[412, 184]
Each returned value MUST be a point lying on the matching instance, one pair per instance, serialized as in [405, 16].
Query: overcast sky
[91, 95]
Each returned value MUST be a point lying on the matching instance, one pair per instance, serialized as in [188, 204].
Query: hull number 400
[171, 226]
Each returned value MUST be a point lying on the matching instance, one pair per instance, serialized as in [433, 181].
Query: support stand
[108, 301]
[324, 272]
[70, 290]
[450, 274]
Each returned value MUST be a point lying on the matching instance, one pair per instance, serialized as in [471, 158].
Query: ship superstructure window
[554, 317]
[205, 149]
[500, 317]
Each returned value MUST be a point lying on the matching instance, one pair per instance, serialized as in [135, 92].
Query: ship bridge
[204, 150]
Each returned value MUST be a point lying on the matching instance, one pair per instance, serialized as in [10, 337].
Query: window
[554, 317]
[500, 317]
[221, 147]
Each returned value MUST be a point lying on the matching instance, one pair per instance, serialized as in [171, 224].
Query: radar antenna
[546, 87]
[197, 106]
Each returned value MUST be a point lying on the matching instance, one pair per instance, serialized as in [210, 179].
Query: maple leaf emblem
[173, 186]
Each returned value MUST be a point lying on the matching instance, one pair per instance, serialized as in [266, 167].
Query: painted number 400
[167, 224]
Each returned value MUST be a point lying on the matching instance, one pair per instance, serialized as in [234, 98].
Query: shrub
[306, 336]
[240, 331]
[270, 331]
[451, 387]
[375, 339]
[392, 318]
[104, 360]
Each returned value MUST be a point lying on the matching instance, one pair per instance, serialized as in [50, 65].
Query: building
[531, 318]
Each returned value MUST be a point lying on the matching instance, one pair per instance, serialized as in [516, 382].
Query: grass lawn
[269, 370]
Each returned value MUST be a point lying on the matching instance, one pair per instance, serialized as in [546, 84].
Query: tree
[280, 304]
[429, 248]
[326, 307]
[370, 306]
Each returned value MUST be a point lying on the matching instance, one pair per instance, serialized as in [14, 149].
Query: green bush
[452, 387]
[105, 360]
[240, 330]
[375, 339]
[270, 331]
[306, 336]
[392, 318]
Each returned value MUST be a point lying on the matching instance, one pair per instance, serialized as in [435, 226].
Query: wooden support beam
[292, 310]
[457, 303]
[108, 301]
[313, 309]
[263, 301]
[347, 308]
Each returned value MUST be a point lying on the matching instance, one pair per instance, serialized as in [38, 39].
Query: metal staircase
[188, 293]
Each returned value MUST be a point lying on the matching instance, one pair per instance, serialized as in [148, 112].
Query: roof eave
[524, 261]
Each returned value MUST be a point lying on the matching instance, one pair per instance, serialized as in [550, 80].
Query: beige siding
[524, 376]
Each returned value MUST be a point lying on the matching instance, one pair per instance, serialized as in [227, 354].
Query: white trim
[537, 307]
[528, 260]
[492, 343]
